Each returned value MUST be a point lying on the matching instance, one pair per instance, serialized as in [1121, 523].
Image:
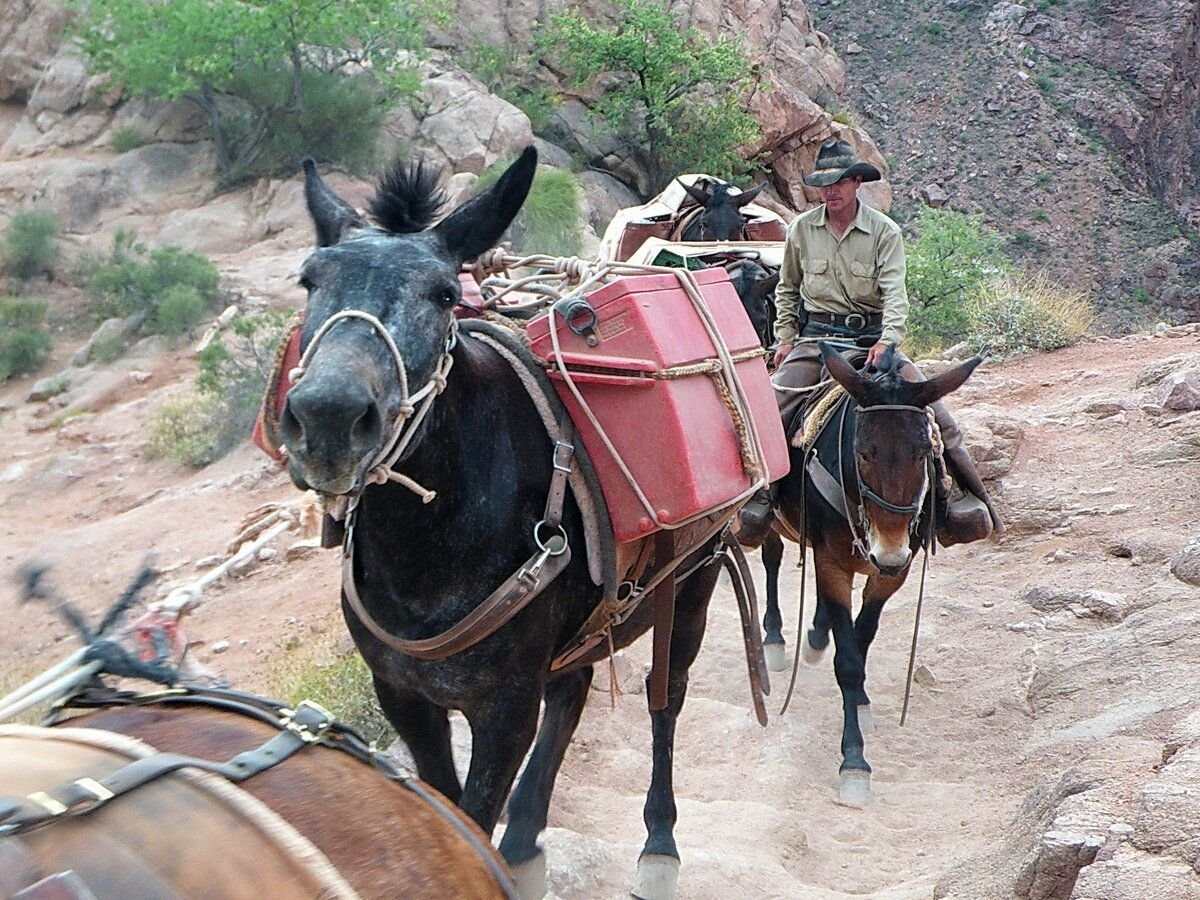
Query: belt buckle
[861, 320]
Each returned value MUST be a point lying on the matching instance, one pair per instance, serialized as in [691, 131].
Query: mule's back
[321, 823]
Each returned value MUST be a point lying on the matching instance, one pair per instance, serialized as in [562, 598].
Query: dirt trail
[756, 810]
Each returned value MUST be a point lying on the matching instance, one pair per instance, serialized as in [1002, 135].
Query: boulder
[1104, 605]
[1031, 511]
[1153, 373]
[1134, 875]
[110, 331]
[1185, 565]
[222, 227]
[180, 122]
[603, 197]
[1179, 391]
[993, 438]
[466, 128]
[30, 35]
[63, 87]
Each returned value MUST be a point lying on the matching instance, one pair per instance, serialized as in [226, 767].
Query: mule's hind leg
[425, 728]
[658, 866]
[816, 640]
[773, 642]
[565, 697]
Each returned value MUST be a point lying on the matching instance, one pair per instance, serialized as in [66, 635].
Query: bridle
[414, 407]
[867, 495]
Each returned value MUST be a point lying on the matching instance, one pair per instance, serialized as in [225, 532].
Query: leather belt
[851, 321]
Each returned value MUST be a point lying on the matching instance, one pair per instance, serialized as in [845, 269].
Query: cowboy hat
[836, 160]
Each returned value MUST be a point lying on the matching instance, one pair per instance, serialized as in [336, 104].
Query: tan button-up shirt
[860, 272]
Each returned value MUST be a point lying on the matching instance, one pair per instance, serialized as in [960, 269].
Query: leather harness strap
[546, 563]
[301, 726]
[664, 620]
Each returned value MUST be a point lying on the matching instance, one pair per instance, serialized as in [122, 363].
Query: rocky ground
[1055, 726]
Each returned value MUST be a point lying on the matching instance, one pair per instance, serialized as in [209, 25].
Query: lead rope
[928, 544]
[803, 577]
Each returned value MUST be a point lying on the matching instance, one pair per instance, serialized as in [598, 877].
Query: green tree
[202, 50]
[677, 93]
[952, 255]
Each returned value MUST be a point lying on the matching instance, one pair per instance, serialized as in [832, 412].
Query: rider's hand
[876, 352]
[781, 353]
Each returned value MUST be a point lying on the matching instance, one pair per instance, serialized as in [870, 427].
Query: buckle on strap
[856, 322]
[309, 721]
[563, 454]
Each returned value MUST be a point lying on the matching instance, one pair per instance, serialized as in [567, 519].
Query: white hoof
[657, 877]
[811, 654]
[855, 789]
[866, 721]
[530, 878]
[776, 656]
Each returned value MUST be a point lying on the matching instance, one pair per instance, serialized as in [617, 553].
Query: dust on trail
[757, 815]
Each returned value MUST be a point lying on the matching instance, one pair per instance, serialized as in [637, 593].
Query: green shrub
[233, 375]
[551, 218]
[1044, 82]
[126, 138]
[132, 280]
[341, 121]
[30, 246]
[343, 686]
[951, 255]
[178, 311]
[1015, 315]
[24, 342]
[186, 431]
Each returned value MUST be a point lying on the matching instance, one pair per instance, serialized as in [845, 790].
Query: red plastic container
[675, 436]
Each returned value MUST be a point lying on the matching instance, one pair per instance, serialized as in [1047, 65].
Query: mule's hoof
[776, 656]
[657, 877]
[811, 654]
[529, 877]
[855, 788]
[866, 721]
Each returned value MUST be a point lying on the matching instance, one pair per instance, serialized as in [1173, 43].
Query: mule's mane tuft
[408, 198]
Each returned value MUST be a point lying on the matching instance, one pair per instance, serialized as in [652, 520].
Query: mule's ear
[331, 215]
[700, 195]
[746, 196]
[842, 372]
[927, 392]
[477, 225]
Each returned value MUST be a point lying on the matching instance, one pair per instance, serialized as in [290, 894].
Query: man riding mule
[843, 279]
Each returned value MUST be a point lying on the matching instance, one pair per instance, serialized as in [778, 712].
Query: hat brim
[826, 177]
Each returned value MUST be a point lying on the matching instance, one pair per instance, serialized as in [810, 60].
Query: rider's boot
[754, 519]
[970, 514]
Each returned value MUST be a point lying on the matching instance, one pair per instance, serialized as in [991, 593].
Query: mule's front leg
[773, 642]
[876, 593]
[658, 867]
[425, 730]
[565, 698]
[500, 737]
[833, 589]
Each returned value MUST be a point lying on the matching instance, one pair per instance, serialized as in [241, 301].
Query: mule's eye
[305, 282]
[445, 296]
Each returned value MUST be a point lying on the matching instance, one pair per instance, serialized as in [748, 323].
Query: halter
[413, 407]
[865, 494]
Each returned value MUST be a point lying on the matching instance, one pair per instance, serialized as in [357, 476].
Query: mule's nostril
[291, 429]
[366, 428]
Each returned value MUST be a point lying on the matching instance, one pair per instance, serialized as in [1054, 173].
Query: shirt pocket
[818, 282]
[862, 282]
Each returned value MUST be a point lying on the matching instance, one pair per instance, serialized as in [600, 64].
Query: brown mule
[319, 823]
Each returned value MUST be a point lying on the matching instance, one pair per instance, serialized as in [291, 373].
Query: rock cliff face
[1070, 126]
[799, 73]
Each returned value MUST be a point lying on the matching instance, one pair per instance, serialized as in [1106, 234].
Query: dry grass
[1015, 315]
[339, 682]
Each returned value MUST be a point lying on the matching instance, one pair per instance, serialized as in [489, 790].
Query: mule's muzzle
[891, 564]
[331, 431]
